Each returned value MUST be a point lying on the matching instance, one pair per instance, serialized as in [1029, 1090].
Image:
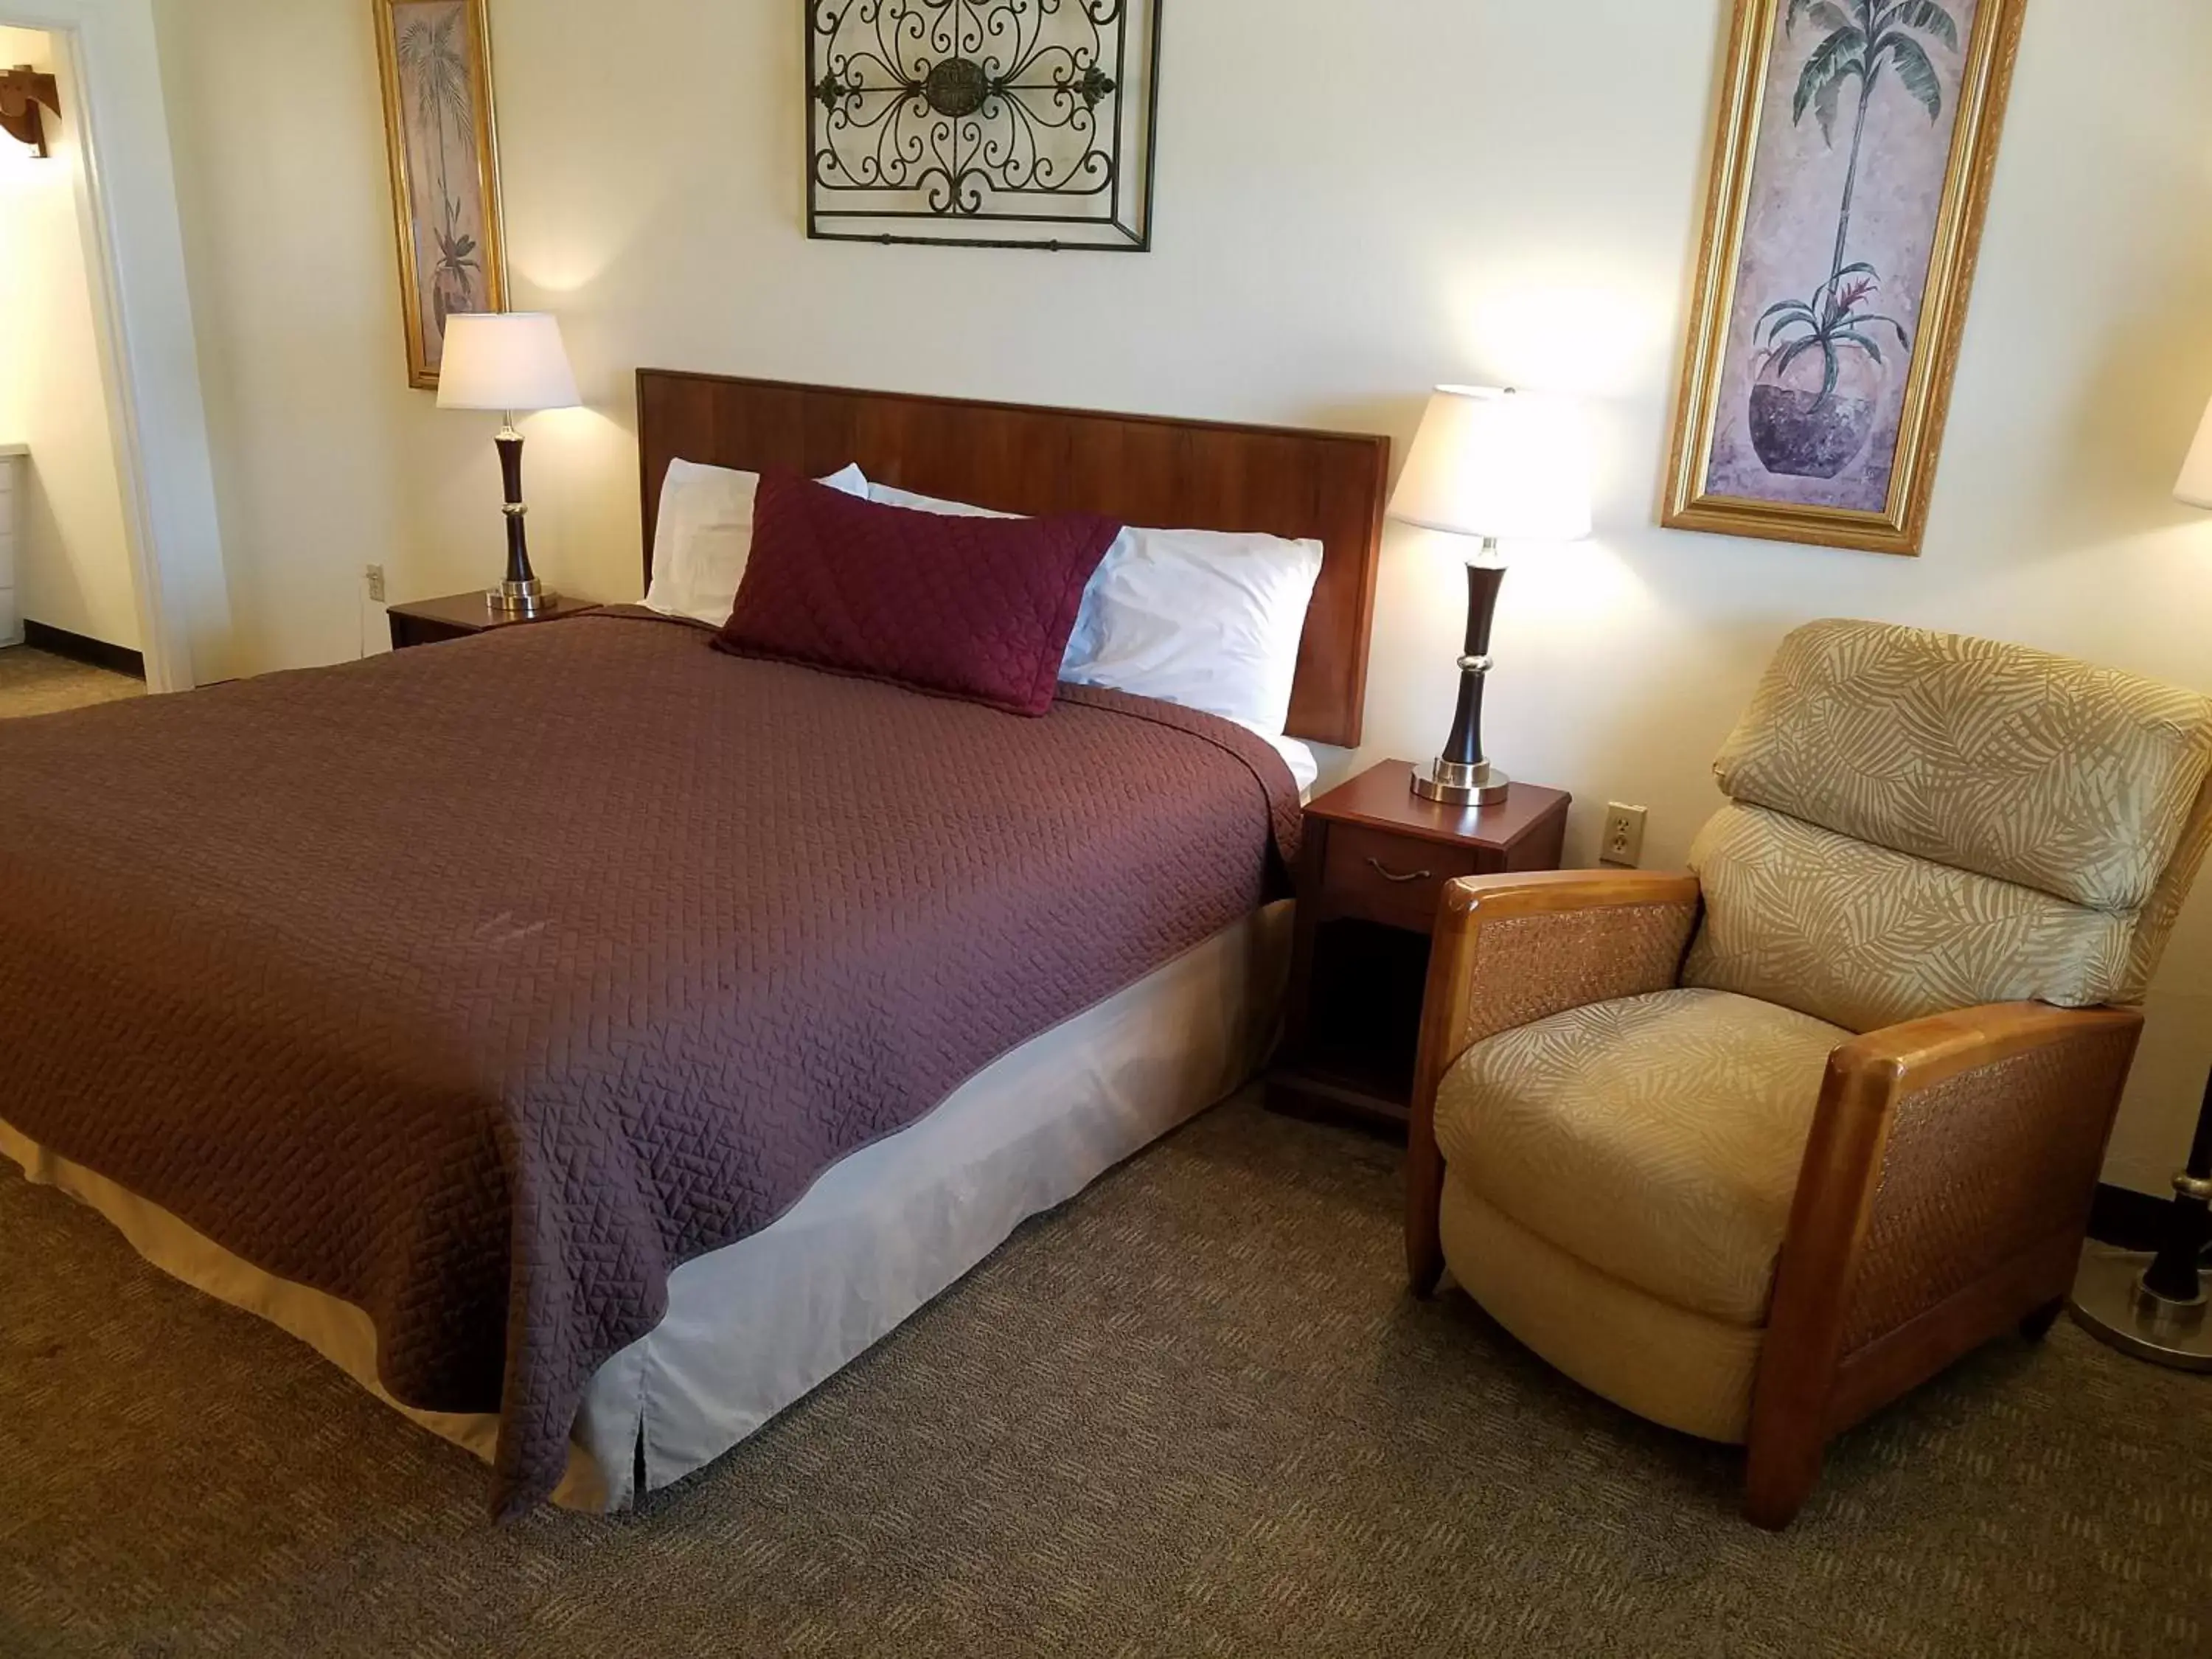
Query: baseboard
[2124, 1217]
[97, 653]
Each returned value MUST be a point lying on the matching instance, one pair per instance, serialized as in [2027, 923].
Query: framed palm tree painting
[436, 57]
[1850, 177]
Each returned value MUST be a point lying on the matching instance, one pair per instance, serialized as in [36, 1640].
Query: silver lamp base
[2110, 1303]
[529, 599]
[1451, 784]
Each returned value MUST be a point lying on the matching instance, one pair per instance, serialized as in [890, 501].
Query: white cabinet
[11, 485]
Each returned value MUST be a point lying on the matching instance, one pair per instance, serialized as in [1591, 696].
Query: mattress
[755, 1325]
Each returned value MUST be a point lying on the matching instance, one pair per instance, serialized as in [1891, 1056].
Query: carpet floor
[1193, 1412]
[37, 682]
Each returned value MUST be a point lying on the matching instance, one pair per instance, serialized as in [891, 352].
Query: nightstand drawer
[1389, 878]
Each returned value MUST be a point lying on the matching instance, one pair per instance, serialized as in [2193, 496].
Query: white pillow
[1209, 619]
[886, 494]
[704, 535]
[1206, 618]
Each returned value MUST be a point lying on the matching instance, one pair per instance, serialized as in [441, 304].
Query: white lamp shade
[2196, 485]
[1492, 462]
[508, 360]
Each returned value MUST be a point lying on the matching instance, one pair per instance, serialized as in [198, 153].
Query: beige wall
[1354, 201]
[73, 560]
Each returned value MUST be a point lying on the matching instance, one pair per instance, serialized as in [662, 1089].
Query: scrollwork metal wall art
[982, 122]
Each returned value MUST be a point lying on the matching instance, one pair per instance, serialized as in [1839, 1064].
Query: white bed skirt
[754, 1326]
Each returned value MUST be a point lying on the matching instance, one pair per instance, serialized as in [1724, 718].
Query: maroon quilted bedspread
[480, 985]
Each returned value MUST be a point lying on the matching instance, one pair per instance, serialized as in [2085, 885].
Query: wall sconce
[22, 89]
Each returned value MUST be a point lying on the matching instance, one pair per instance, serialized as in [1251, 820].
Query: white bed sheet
[755, 1326]
[1305, 764]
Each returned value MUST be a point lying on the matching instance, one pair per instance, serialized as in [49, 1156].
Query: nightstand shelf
[458, 616]
[1371, 873]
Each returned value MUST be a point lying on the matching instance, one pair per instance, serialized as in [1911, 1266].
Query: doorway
[116, 176]
[69, 605]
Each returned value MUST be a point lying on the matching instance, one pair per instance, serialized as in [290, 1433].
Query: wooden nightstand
[1370, 874]
[426, 622]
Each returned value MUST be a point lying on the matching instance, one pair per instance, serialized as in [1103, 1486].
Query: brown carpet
[1194, 1412]
[37, 682]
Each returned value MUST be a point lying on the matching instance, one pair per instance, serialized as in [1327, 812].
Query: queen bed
[591, 1040]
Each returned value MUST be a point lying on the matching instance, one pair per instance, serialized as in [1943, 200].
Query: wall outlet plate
[1622, 843]
[375, 577]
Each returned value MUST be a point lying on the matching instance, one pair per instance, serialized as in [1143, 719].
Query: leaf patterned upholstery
[2155, 926]
[1655, 1137]
[1923, 822]
[1863, 937]
[2013, 763]
[1682, 1368]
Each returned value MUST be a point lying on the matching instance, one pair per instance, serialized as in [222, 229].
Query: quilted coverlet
[482, 985]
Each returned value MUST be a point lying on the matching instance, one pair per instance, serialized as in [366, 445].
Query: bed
[590, 1041]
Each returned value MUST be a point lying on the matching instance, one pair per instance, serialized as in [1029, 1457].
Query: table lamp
[2155, 1306]
[1493, 464]
[511, 362]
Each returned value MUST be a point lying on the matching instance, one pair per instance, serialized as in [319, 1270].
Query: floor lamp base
[2110, 1303]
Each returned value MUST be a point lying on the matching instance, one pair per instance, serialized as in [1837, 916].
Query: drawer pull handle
[1389, 874]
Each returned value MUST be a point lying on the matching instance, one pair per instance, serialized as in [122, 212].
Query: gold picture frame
[435, 57]
[1752, 433]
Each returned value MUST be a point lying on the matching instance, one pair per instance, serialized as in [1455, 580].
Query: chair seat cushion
[1655, 1137]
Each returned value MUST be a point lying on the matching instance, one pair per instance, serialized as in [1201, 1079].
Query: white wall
[1354, 201]
[73, 557]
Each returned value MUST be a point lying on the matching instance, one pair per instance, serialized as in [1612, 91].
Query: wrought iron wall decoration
[982, 122]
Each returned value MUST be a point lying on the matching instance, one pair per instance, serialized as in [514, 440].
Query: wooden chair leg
[2038, 1324]
[1425, 1265]
[1425, 1192]
[1783, 1468]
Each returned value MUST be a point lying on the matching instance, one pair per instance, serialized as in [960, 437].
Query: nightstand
[426, 622]
[1371, 872]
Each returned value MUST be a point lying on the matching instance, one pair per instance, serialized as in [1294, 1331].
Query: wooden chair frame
[1946, 1186]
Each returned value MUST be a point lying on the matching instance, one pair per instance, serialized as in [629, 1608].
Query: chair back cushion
[1863, 937]
[2013, 763]
[1923, 822]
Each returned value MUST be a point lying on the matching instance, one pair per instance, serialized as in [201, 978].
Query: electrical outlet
[1623, 840]
[376, 574]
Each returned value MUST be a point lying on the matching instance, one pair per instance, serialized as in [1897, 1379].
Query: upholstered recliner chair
[1755, 1149]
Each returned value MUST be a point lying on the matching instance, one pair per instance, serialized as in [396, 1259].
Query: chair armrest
[1509, 950]
[1944, 1194]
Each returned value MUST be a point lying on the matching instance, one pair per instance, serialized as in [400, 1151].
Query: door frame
[107, 65]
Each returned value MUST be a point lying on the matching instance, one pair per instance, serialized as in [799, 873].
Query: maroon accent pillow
[975, 608]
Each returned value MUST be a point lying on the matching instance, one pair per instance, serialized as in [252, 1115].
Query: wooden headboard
[1140, 469]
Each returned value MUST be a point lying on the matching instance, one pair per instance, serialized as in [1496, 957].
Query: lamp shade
[1490, 461]
[2196, 483]
[509, 360]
